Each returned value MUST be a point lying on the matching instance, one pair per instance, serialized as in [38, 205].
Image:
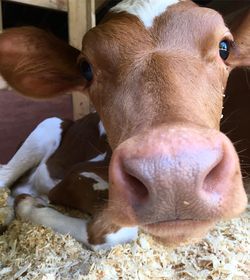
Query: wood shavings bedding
[4, 193]
[35, 252]
[6, 212]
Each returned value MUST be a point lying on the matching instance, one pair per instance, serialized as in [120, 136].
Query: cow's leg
[40, 144]
[30, 209]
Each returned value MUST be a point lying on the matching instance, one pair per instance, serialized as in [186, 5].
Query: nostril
[134, 179]
[211, 178]
[213, 182]
[128, 191]
[138, 192]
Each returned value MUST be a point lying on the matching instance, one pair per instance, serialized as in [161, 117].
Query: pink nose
[174, 174]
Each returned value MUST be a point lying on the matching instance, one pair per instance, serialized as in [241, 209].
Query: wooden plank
[60, 5]
[81, 17]
[1, 17]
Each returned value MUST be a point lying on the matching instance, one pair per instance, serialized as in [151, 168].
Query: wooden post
[1, 18]
[60, 5]
[81, 17]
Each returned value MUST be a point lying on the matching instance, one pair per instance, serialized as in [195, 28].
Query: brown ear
[240, 55]
[37, 64]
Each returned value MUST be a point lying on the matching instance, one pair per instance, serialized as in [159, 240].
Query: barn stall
[35, 252]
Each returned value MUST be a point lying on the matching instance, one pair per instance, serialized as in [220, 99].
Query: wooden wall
[19, 116]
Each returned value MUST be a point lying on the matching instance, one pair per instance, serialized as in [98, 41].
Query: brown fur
[41, 74]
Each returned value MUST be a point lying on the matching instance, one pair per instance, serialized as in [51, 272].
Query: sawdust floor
[35, 252]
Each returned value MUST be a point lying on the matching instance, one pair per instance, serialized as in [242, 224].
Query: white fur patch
[101, 185]
[24, 188]
[100, 157]
[50, 133]
[36, 149]
[145, 10]
[41, 180]
[101, 129]
[27, 210]
[124, 235]
[39, 183]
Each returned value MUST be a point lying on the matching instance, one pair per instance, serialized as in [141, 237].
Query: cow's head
[156, 72]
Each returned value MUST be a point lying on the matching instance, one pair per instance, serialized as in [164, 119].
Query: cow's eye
[224, 49]
[86, 70]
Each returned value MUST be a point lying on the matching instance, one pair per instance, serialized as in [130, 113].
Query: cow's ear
[240, 52]
[37, 64]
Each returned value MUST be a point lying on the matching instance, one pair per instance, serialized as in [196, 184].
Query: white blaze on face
[101, 185]
[145, 10]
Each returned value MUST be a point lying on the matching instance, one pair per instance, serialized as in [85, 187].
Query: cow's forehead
[183, 12]
[173, 20]
[145, 10]
[180, 25]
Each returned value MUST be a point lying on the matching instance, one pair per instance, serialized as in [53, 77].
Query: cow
[153, 156]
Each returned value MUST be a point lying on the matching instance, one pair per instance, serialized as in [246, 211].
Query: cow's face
[158, 87]
[174, 70]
